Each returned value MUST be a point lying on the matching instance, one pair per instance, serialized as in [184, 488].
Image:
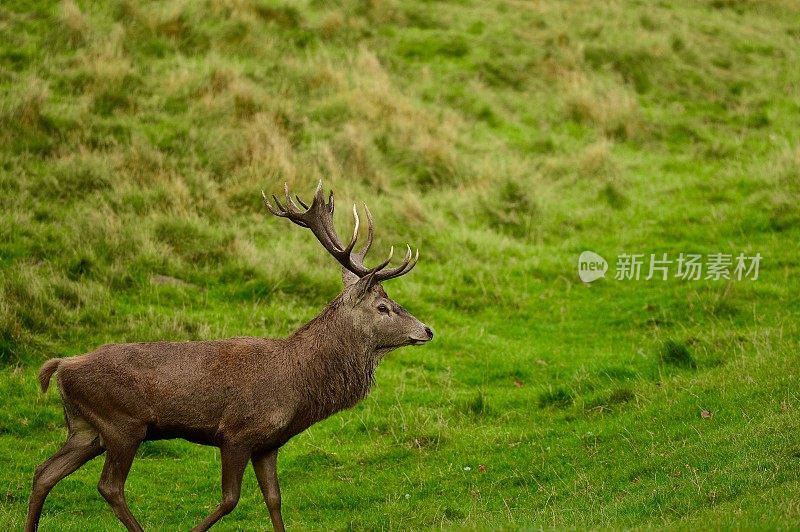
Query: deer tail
[46, 372]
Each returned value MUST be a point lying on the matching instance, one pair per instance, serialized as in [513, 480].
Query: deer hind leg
[120, 450]
[266, 467]
[83, 444]
[234, 461]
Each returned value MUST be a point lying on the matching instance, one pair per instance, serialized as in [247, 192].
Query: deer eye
[383, 308]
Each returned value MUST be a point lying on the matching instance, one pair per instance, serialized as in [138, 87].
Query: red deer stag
[247, 396]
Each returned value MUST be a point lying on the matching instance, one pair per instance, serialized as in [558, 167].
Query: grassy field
[502, 138]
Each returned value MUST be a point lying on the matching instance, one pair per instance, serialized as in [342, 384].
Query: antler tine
[405, 266]
[410, 264]
[370, 233]
[319, 218]
[284, 213]
[280, 211]
[318, 194]
[383, 264]
[290, 205]
[407, 256]
[353, 239]
[278, 204]
[269, 206]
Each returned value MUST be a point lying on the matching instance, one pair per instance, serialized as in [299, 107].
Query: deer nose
[429, 332]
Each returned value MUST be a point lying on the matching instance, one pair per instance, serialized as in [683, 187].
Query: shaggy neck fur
[335, 363]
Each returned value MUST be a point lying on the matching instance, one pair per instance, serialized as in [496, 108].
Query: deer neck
[334, 363]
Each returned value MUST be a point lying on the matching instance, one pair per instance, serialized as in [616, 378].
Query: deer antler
[319, 218]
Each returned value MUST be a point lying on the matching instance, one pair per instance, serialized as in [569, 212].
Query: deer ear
[360, 287]
[349, 278]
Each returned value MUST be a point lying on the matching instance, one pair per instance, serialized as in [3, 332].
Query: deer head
[364, 306]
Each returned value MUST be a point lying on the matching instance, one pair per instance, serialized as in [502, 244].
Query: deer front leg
[266, 467]
[234, 460]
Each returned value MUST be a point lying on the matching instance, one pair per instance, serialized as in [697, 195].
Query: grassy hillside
[503, 139]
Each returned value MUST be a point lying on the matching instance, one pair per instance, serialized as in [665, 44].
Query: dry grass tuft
[221, 77]
[611, 108]
[170, 19]
[374, 96]
[596, 158]
[332, 24]
[268, 147]
[438, 161]
[28, 107]
[321, 73]
[248, 98]
[234, 9]
[352, 148]
[103, 61]
[142, 161]
[76, 23]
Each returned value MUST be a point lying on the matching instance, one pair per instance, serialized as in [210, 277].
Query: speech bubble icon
[591, 266]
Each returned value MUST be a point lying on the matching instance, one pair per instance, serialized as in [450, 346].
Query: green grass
[502, 139]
